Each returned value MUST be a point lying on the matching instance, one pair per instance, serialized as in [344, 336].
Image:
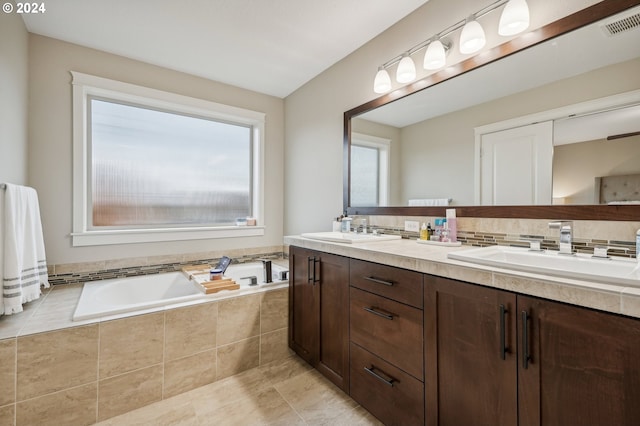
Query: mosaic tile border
[626, 249]
[133, 271]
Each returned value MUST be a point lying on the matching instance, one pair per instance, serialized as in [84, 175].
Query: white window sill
[96, 238]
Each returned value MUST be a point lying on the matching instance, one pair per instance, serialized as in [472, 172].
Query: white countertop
[430, 259]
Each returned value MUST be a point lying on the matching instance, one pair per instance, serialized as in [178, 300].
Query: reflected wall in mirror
[432, 154]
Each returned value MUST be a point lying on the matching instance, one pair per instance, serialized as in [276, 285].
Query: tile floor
[287, 392]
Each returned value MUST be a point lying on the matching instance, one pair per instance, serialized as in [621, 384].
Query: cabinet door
[470, 354]
[332, 275]
[303, 304]
[578, 366]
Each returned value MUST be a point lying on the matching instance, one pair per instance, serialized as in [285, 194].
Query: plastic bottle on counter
[424, 233]
[438, 230]
[445, 238]
[452, 224]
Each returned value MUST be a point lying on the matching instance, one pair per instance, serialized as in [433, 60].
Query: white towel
[430, 202]
[25, 264]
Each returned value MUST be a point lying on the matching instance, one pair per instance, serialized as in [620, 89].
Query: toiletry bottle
[638, 245]
[438, 230]
[445, 233]
[346, 224]
[424, 233]
[337, 225]
[452, 225]
[429, 231]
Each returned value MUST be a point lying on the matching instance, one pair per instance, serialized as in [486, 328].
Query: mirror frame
[562, 26]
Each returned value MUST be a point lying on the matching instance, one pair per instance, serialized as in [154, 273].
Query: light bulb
[472, 37]
[435, 56]
[382, 82]
[514, 18]
[406, 71]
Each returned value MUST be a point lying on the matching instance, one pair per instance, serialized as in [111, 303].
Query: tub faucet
[266, 266]
[566, 235]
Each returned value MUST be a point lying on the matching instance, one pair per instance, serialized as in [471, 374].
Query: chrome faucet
[362, 227]
[266, 266]
[566, 235]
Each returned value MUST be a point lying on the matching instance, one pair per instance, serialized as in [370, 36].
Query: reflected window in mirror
[369, 170]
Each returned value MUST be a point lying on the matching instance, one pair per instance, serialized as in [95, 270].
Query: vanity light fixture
[472, 37]
[382, 83]
[513, 20]
[436, 56]
[406, 71]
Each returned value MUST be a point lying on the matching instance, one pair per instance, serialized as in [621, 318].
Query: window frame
[383, 146]
[87, 86]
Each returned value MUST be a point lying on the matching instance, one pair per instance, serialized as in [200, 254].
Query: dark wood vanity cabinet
[386, 333]
[496, 358]
[470, 354]
[319, 312]
[576, 366]
[419, 349]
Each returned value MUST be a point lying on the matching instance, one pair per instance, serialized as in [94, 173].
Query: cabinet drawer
[394, 283]
[388, 393]
[389, 329]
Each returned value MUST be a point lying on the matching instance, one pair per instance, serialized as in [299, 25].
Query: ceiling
[269, 46]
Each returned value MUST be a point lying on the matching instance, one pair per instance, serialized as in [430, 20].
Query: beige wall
[13, 99]
[50, 149]
[576, 165]
[438, 154]
[314, 124]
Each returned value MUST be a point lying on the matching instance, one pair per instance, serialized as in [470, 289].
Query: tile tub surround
[433, 260]
[89, 373]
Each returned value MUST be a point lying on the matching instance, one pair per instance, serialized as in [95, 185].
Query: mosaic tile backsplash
[473, 232]
[132, 271]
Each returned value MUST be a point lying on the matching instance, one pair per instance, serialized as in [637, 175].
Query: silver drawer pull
[378, 281]
[374, 311]
[388, 382]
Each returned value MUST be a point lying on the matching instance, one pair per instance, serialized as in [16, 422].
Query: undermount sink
[580, 266]
[349, 237]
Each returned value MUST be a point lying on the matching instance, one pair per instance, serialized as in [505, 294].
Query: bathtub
[148, 293]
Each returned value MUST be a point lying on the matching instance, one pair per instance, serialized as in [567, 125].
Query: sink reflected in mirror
[619, 271]
[349, 237]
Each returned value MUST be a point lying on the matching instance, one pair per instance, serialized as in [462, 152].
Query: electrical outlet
[411, 226]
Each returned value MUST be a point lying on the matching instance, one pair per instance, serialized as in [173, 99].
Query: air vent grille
[622, 25]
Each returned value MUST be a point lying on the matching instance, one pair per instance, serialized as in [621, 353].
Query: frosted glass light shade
[435, 56]
[514, 18]
[472, 37]
[406, 71]
[382, 82]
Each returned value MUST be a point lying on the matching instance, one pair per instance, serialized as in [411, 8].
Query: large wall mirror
[426, 144]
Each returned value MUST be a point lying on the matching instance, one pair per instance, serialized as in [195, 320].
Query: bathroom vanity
[432, 340]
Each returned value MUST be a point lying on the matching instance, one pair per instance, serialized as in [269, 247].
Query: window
[156, 166]
[369, 170]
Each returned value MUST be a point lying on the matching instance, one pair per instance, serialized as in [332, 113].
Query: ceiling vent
[622, 23]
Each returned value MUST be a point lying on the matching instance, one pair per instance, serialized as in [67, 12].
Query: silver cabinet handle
[378, 313]
[379, 281]
[370, 370]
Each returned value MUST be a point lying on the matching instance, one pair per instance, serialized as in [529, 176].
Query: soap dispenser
[424, 233]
